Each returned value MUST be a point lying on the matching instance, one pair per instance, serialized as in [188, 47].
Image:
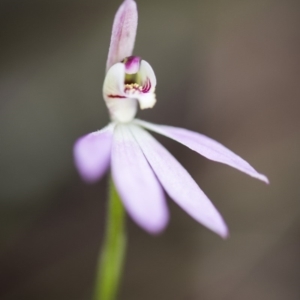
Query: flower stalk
[111, 260]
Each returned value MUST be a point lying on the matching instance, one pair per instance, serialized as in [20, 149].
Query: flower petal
[147, 98]
[136, 183]
[205, 146]
[146, 72]
[121, 108]
[92, 153]
[123, 33]
[113, 86]
[178, 183]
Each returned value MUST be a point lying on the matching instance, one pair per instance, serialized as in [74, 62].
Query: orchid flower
[141, 167]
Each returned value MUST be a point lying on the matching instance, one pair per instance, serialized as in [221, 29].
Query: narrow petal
[92, 153]
[177, 182]
[205, 146]
[136, 183]
[123, 33]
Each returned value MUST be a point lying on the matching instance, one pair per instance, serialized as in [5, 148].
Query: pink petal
[136, 183]
[92, 153]
[123, 33]
[205, 146]
[178, 183]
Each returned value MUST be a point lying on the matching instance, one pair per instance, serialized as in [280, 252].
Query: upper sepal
[123, 33]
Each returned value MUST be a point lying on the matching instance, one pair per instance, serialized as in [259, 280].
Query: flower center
[135, 88]
[133, 84]
[132, 88]
[126, 84]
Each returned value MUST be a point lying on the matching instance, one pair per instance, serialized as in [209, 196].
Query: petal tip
[263, 178]
[87, 177]
[156, 230]
[92, 154]
[221, 229]
[155, 226]
[266, 179]
[87, 174]
[225, 234]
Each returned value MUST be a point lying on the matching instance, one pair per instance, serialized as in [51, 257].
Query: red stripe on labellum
[115, 96]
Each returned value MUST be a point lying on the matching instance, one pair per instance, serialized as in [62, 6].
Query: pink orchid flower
[141, 167]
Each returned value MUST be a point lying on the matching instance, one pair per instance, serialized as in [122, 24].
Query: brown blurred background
[228, 69]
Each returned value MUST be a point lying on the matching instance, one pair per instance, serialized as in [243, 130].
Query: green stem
[112, 255]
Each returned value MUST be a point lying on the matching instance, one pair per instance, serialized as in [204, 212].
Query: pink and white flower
[141, 167]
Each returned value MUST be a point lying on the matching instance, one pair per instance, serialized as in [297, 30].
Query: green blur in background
[227, 69]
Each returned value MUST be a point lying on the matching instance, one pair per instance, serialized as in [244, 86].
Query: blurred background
[228, 69]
